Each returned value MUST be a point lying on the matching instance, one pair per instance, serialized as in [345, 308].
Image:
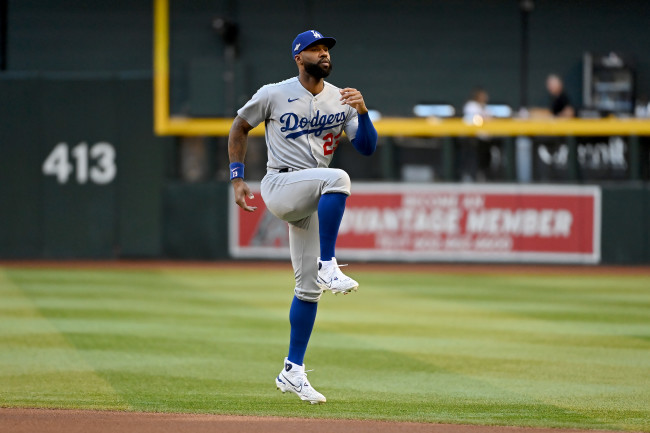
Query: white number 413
[96, 163]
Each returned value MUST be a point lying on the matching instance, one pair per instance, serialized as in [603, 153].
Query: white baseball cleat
[294, 378]
[331, 278]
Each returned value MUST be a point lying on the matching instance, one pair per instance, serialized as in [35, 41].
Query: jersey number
[331, 143]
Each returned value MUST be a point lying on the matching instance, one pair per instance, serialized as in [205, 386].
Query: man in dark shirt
[560, 104]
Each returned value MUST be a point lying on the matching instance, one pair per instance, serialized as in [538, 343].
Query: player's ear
[298, 58]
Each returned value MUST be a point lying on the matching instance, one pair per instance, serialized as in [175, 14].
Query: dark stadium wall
[81, 173]
[195, 220]
[625, 215]
[418, 50]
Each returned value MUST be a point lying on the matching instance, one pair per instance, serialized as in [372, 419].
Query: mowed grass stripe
[52, 373]
[539, 365]
[541, 351]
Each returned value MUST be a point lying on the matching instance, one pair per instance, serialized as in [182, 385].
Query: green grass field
[541, 350]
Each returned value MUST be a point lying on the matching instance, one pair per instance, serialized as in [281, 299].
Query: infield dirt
[78, 421]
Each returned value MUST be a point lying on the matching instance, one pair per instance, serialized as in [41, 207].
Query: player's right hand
[242, 191]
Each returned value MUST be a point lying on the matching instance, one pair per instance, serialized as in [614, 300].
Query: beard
[317, 70]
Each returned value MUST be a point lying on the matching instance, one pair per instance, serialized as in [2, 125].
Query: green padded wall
[104, 207]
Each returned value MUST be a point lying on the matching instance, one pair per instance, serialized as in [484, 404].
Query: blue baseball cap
[310, 37]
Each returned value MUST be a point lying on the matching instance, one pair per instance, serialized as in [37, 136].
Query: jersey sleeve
[257, 109]
[351, 124]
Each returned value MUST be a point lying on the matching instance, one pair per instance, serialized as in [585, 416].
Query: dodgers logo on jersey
[316, 125]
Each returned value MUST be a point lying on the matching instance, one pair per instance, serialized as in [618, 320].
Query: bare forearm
[238, 140]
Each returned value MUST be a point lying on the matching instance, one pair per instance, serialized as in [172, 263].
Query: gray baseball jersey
[302, 130]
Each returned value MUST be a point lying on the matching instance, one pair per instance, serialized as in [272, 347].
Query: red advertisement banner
[417, 222]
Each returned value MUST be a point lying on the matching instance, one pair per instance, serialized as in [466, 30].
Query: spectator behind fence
[476, 106]
[560, 104]
[474, 152]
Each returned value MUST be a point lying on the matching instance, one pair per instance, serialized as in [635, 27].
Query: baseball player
[304, 118]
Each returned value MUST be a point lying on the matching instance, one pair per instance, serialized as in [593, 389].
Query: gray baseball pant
[293, 197]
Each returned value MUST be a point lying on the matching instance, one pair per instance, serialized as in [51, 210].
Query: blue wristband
[236, 170]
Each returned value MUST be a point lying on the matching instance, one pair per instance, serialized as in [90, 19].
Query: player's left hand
[354, 99]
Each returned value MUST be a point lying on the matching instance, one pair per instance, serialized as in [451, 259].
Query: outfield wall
[82, 175]
[626, 224]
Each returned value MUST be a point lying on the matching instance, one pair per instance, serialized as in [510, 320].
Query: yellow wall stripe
[161, 67]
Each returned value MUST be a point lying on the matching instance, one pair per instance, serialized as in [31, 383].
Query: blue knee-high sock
[302, 316]
[330, 213]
